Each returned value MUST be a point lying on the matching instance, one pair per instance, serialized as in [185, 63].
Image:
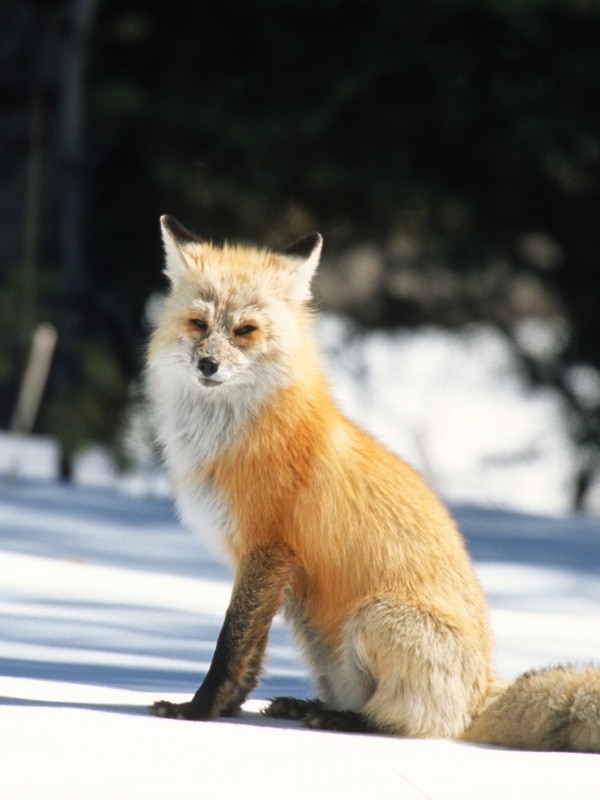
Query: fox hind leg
[398, 670]
[427, 677]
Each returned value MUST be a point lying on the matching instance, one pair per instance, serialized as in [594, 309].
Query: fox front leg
[257, 595]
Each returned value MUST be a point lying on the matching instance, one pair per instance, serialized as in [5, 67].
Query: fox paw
[314, 714]
[328, 719]
[168, 710]
[291, 708]
[231, 710]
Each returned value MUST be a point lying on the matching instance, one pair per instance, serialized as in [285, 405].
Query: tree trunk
[75, 48]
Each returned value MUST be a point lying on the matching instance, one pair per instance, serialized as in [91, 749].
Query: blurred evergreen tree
[476, 121]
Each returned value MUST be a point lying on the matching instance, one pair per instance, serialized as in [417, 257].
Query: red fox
[320, 520]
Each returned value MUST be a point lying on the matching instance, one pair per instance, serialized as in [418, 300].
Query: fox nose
[208, 366]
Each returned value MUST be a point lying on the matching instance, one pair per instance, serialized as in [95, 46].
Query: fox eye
[200, 324]
[245, 330]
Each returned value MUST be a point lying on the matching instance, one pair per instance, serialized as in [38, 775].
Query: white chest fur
[204, 510]
[194, 426]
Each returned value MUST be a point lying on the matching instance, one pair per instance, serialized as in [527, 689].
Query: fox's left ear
[175, 239]
[304, 255]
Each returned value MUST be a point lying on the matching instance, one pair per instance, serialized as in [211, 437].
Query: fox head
[234, 315]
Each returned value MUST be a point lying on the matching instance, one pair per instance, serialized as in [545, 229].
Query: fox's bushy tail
[557, 708]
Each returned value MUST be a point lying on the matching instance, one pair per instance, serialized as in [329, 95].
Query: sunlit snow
[106, 604]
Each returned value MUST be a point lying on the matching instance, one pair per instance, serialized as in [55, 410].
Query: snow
[107, 604]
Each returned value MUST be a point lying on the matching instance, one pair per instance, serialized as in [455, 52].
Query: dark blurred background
[449, 152]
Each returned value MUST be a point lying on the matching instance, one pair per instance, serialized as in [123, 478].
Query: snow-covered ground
[107, 604]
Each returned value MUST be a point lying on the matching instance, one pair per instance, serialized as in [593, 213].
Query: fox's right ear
[175, 240]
